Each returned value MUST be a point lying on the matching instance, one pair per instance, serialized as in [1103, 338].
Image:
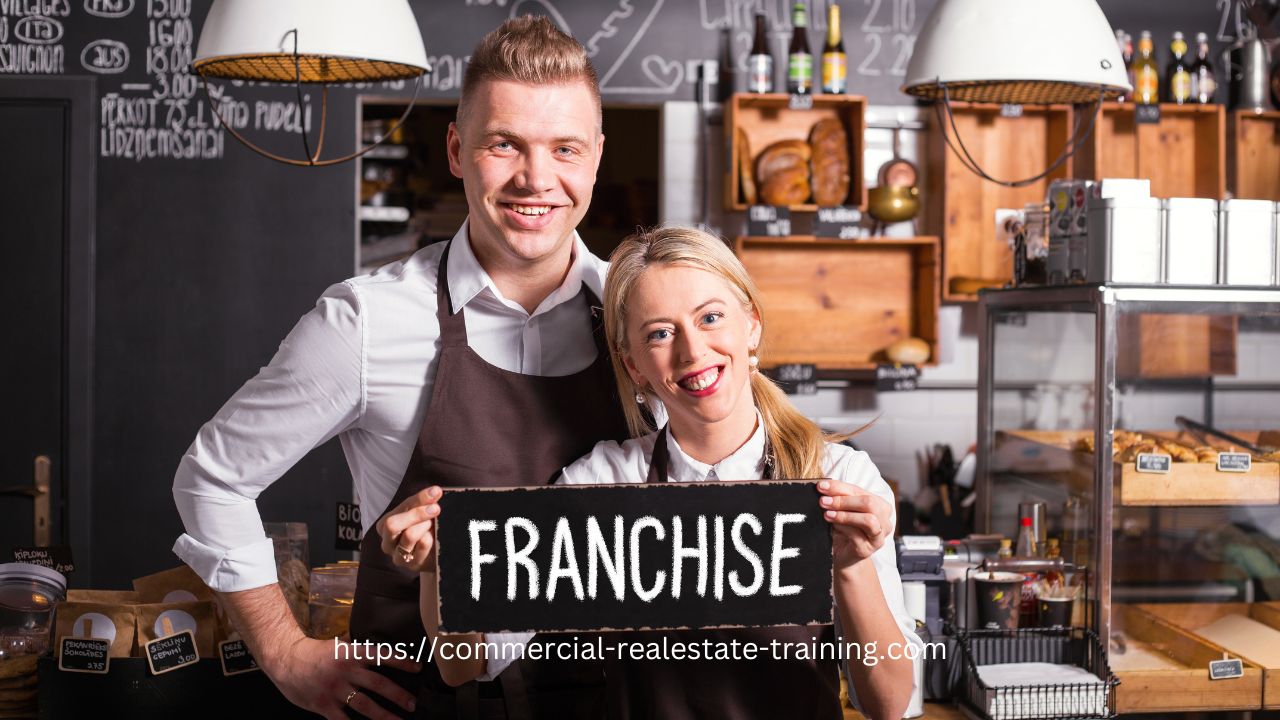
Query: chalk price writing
[108, 8]
[889, 26]
[105, 57]
[168, 8]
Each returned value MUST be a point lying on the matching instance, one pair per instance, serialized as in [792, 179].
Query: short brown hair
[529, 49]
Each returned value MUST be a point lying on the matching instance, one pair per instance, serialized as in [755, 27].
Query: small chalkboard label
[1234, 462]
[800, 102]
[796, 378]
[1146, 114]
[1154, 463]
[1011, 110]
[842, 221]
[54, 557]
[896, 378]
[768, 221]
[347, 532]
[236, 658]
[1226, 669]
[85, 655]
[171, 652]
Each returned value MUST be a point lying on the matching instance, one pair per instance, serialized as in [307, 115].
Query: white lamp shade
[1017, 51]
[337, 41]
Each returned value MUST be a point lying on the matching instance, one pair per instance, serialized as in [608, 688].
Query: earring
[754, 361]
[639, 398]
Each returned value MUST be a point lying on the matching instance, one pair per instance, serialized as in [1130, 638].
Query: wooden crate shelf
[1184, 155]
[1192, 617]
[1186, 484]
[1255, 155]
[767, 118]
[1165, 669]
[838, 304]
[961, 207]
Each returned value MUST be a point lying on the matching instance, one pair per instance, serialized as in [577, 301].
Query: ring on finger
[351, 696]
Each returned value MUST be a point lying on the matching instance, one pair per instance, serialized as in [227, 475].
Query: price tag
[236, 659]
[1154, 463]
[800, 102]
[796, 378]
[768, 221]
[843, 222]
[85, 655]
[896, 378]
[1011, 110]
[172, 652]
[1226, 669]
[1146, 114]
[54, 557]
[348, 529]
[1234, 462]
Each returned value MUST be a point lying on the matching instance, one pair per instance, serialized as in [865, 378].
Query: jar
[28, 594]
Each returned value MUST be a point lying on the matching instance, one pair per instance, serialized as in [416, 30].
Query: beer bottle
[1146, 87]
[1204, 84]
[1125, 41]
[760, 63]
[1179, 74]
[834, 61]
[799, 57]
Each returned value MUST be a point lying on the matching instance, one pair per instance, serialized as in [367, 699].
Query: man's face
[527, 156]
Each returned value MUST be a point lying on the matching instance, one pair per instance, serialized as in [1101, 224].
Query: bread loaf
[830, 162]
[744, 169]
[782, 171]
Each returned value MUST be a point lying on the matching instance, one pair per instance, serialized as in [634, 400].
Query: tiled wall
[945, 409]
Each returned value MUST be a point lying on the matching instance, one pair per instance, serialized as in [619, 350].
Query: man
[474, 362]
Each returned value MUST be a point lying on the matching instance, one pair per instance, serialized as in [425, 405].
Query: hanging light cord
[313, 160]
[1073, 144]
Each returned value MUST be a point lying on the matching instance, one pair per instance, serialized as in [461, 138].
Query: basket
[1078, 647]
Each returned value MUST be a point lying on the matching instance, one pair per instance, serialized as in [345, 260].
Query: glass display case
[1179, 526]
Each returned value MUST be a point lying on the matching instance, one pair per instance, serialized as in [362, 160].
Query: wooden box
[1194, 616]
[1165, 668]
[1176, 346]
[1255, 155]
[839, 304]
[961, 206]
[1186, 484]
[767, 118]
[1184, 155]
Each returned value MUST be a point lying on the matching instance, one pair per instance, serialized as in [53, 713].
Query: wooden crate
[1193, 616]
[1158, 345]
[1179, 679]
[1255, 155]
[961, 207]
[1186, 484]
[1184, 155]
[839, 304]
[767, 118]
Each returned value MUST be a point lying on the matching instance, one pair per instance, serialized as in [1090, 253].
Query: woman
[684, 325]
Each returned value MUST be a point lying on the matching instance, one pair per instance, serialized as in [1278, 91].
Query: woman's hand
[407, 532]
[862, 521]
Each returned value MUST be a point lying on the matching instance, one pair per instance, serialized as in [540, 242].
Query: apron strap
[453, 328]
[661, 459]
[515, 693]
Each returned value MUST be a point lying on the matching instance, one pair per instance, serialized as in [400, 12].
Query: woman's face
[688, 340]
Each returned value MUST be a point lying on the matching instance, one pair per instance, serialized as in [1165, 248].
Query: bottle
[1026, 540]
[1006, 549]
[760, 63]
[834, 61]
[1125, 42]
[1053, 577]
[1146, 76]
[1204, 83]
[799, 58]
[1179, 75]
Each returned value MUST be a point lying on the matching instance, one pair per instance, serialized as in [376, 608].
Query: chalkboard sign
[56, 557]
[85, 655]
[171, 652]
[670, 555]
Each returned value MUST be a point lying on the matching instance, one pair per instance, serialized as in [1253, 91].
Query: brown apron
[489, 427]
[760, 688]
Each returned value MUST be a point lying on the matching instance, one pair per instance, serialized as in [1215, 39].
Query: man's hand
[406, 531]
[305, 670]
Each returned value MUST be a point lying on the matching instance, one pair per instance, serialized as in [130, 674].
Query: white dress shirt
[361, 365]
[628, 462]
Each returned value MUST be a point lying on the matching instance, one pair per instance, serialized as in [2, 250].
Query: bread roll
[782, 171]
[909, 351]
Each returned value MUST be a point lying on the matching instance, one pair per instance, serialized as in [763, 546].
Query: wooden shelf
[1184, 155]
[961, 207]
[838, 304]
[1194, 616]
[1255, 155]
[1174, 675]
[767, 118]
[1185, 485]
